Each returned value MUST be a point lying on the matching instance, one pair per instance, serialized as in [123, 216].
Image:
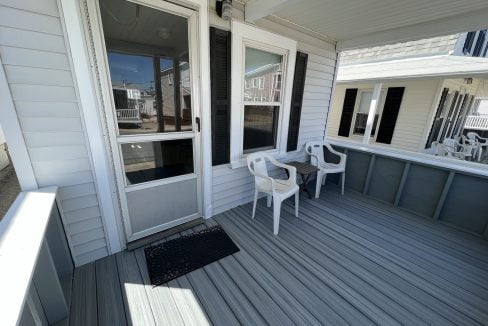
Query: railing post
[442, 198]
[368, 176]
[399, 192]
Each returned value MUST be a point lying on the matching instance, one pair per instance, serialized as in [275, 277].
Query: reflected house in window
[264, 83]
[262, 98]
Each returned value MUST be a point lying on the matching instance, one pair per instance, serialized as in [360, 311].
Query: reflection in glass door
[149, 63]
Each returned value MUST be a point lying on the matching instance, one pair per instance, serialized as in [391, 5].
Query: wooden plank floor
[345, 260]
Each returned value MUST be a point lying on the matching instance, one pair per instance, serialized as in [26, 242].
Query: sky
[134, 69]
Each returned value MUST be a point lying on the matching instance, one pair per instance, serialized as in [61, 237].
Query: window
[362, 113]
[260, 116]
[260, 126]
[257, 119]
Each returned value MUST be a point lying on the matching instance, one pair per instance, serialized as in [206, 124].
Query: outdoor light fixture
[224, 9]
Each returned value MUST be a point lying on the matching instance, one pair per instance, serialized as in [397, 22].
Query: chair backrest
[316, 149]
[472, 135]
[450, 144]
[440, 149]
[256, 163]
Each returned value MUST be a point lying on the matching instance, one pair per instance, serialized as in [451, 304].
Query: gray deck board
[109, 295]
[84, 297]
[345, 260]
[136, 301]
[163, 305]
[446, 246]
[451, 267]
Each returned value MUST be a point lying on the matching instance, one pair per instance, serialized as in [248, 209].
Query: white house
[95, 183]
[442, 81]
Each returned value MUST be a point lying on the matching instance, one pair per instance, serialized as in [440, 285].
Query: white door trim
[201, 98]
[89, 105]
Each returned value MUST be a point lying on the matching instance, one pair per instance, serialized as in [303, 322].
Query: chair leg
[276, 215]
[318, 185]
[256, 192]
[323, 181]
[269, 200]
[343, 179]
[297, 199]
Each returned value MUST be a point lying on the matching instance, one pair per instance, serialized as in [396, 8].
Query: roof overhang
[356, 24]
[434, 67]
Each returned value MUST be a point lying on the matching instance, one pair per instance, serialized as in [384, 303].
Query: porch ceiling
[362, 23]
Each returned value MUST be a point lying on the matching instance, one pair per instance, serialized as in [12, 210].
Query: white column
[372, 111]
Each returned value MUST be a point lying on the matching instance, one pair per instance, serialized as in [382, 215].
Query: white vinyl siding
[35, 57]
[233, 187]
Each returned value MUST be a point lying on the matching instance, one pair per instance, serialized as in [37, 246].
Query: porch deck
[345, 260]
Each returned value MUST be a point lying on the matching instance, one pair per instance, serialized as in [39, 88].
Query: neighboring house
[430, 90]
[4, 161]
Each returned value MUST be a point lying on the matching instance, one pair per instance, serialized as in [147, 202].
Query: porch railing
[440, 189]
[35, 261]
[128, 114]
[476, 122]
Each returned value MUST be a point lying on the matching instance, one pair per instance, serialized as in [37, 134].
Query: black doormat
[174, 258]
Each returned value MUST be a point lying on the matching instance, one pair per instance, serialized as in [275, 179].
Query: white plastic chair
[316, 152]
[482, 143]
[276, 189]
[455, 149]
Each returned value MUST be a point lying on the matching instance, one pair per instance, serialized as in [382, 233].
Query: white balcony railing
[128, 115]
[477, 122]
[35, 261]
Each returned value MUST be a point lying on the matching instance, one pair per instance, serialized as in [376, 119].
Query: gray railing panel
[385, 179]
[466, 204]
[356, 170]
[423, 189]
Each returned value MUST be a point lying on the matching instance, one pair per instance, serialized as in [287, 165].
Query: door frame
[198, 39]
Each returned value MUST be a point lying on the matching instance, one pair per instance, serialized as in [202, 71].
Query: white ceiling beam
[258, 9]
[464, 22]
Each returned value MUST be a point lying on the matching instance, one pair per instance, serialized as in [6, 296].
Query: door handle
[197, 121]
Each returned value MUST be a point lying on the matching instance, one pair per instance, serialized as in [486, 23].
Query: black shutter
[347, 111]
[468, 43]
[390, 114]
[220, 42]
[436, 125]
[296, 101]
[479, 43]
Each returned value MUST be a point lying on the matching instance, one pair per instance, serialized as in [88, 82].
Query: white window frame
[379, 111]
[246, 35]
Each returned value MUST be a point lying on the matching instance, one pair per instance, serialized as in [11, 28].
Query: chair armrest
[265, 177]
[314, 156]
[292, 171]
[343, 159]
